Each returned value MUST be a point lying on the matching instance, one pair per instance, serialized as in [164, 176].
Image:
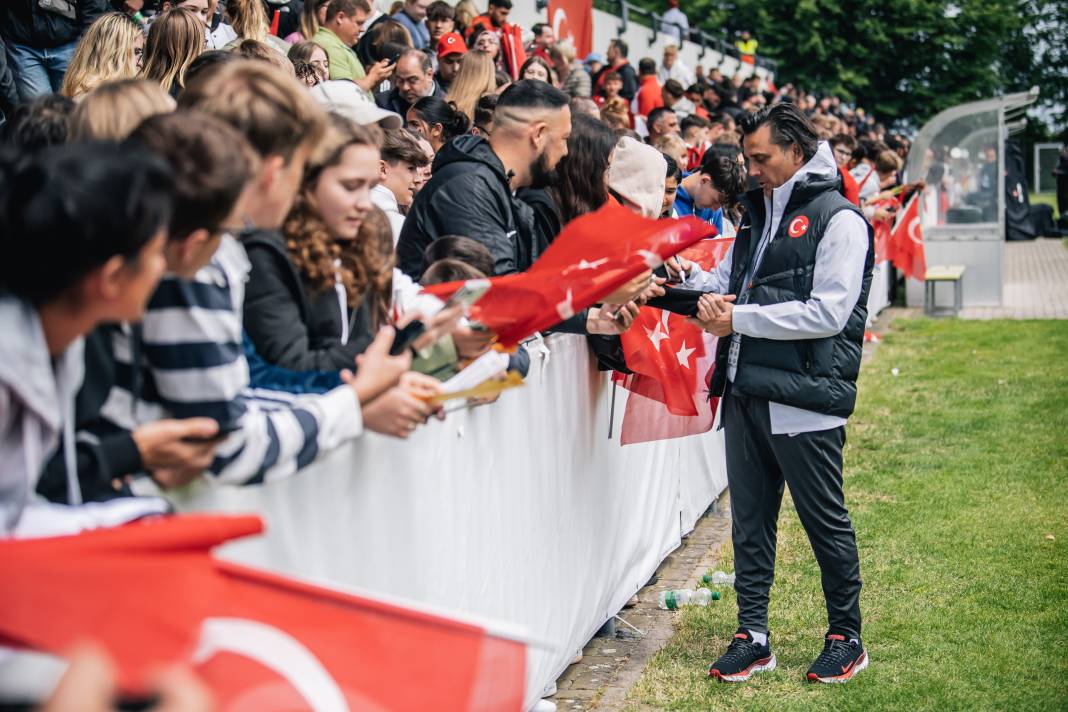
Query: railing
[628, 11]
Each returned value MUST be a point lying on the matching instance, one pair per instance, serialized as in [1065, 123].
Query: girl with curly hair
[318, 292]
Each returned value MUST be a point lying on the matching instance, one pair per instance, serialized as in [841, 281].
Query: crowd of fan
[215, 219]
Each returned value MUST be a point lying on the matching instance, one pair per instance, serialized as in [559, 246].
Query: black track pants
[758, 464]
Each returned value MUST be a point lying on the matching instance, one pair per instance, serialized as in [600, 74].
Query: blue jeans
[39, 71]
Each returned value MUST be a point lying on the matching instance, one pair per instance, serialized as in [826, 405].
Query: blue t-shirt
[684, 206]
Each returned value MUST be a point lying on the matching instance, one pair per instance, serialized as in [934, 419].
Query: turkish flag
[905, 246]
[881, 228]
[591, 257]
[672, 361]
[573, 20]
[150, 593]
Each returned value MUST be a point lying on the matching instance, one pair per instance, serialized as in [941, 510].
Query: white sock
[758, 638]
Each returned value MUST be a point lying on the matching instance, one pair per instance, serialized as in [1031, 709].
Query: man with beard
[472, 191]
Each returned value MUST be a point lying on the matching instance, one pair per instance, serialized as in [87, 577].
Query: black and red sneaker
[742, 659]
[840, 660]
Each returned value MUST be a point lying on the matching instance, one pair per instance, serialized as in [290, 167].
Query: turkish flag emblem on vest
[798, 226]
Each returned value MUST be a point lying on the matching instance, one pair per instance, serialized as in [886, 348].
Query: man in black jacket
[41, 42]
[413, 78]
[472, 191]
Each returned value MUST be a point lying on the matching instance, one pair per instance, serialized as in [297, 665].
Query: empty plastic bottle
[718, 578]
[673, 600]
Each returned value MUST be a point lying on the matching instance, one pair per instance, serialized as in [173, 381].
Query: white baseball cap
[344, 98]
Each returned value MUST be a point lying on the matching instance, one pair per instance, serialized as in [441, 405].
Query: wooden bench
[943, 273]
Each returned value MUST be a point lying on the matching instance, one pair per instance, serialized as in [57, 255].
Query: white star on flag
[656, 335]
[651, 258]
[565, 308]
[683, 355]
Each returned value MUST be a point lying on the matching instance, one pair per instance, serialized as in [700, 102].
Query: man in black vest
[789, 306]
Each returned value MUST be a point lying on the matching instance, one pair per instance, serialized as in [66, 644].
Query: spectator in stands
[662, 122]
[671, 187]
[574, 80]
[650, 95]
[672, 67]
[209, 163]
[695, 132]
[580, 187]
[451, 51]
[437, 121]
[618, 65]
[440, 21]
[509, 37]
[674, 22]
[484, 108]
[673, 147]
[475, 79]
[544, 41]
[636, 177]
[175, 39]
[218, 33]
[313, 54]
[863, 170]
[40, 43]
[466, 12]
[250, 22]
[843, 146]
[413, 78]
[695, 95]
[471, 192]
[536, 68]
[704, 193]
[45, 121]
[675, 99]
[747, 47]
[111, 111]
[83, 229]
[110, 49]
[412, 15]
[400, 176]
[342, 23]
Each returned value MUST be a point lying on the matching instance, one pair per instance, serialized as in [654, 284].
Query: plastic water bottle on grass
[718, 578]
[673, 600]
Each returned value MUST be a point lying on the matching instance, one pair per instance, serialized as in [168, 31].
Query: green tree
[906, 60]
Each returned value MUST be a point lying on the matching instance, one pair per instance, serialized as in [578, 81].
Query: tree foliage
[906, 60]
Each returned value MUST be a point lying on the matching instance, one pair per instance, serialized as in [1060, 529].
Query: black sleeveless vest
[814, 374]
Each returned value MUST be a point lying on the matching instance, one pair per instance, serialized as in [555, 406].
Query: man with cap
[593, 63]
[451, 51]
[345, 98]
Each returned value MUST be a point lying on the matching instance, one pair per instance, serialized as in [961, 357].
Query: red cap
[451, 43]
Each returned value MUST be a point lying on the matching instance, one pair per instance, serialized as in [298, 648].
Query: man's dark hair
[539, 28]
[349, 7]
[507, 4]
[657, 113]
[207, 60]
[843, 139]
[673, 170]
[531, 94]
[674, 87]
[693, 121]
[646, 66]
[727, 174]
[788, 125]
[66, 210]
[400, 146]
[209, 161]
[39, 123]
[621, 46]
[440, 10]
[463, 249]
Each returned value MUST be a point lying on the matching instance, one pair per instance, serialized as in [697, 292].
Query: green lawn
[957, 482]
[1049, 199]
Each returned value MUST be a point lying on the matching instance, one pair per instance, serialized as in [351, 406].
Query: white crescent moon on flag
[276, 650]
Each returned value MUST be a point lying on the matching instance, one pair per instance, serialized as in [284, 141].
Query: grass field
[957, 482]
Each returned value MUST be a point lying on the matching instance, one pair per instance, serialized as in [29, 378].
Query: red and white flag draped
[905, 246]
[672, 361]
[151, 593]
[591, 257]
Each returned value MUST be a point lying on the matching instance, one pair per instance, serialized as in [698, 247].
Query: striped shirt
[192, 363]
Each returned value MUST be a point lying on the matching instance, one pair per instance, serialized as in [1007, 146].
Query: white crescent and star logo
[798, 226]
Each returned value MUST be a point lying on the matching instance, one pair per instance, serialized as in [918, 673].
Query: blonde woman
[110, 49]
[466, 12]
[476, 78]
[174, 41]
[249, 20]
[113, 110]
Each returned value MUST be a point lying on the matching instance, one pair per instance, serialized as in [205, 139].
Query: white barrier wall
[523, 511]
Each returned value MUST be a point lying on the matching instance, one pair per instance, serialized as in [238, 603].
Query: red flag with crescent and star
[672, 360]
[573, 20]
[904, 248]
[150, 593]
[591, 257]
